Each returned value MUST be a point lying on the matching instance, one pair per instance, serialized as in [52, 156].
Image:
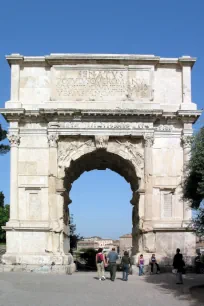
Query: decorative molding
[186, 141]
[149, 139]
[165, 128]
[53, 140]
[14, 140]
[101, 141]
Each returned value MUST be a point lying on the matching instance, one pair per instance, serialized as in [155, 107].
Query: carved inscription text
[95, 84]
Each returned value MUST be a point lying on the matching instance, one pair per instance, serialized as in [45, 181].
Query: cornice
[80, 58]
[19, 114]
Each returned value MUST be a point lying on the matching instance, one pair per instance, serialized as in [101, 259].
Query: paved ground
[29, 289]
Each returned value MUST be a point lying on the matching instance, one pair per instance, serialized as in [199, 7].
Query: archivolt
[81, 154]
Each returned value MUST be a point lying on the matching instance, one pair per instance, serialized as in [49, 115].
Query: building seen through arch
[70, 113]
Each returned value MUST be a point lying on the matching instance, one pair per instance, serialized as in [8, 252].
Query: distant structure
[97, 242]
[125, 243]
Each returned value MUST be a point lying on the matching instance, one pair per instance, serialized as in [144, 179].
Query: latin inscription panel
[83, 83]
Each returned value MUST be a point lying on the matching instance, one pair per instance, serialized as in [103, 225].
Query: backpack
[99, 258]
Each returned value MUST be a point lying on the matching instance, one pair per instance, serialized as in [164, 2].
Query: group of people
[102, 261]
[153, 262]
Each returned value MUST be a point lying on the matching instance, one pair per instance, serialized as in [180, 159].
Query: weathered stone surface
[130, 113]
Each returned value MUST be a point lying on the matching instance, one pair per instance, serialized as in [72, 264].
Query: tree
[4, 217]
[4, 209]
[1, 199]
[3, 148]
[198, 222]
[89, 255]
[194, 181]
[193, 188]
[74, 238]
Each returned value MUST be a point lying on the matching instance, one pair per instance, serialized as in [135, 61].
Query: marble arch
[102, 153]
[69, 113]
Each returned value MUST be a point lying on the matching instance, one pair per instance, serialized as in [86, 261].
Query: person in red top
[100, 264]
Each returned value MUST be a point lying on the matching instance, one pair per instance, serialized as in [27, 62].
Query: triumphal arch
[71, 113]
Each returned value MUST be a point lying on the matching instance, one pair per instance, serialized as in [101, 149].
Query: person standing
[141, 265]
[100, 263]
[112, 258]
[198, 262]
[153, 262]
[178, 264]
[125, 265]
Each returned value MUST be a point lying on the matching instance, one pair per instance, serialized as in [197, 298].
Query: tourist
[178, 265]
[153, 262]
[141, 265]
[125, 265]
[112, 258]
[198, 262]
[100, 263]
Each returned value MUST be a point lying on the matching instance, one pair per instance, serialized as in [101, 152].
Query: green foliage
[198, 222]
[74, 238]
[4, 210]
[1, 199]
[193, 189]
[4, 217]
[3, 148]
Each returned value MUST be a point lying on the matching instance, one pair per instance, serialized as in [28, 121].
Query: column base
[62, 264]
[59, 269]
[164, 242]
[36, 259]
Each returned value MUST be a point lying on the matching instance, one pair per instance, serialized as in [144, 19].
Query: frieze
[106, 125]
[164, 128]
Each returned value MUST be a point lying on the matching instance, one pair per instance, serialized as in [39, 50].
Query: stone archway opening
[100, 159]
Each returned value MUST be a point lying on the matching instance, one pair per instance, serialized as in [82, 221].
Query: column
[54, 239]
[53, 141]
[148, 169]
[186, 142]
[14, 141]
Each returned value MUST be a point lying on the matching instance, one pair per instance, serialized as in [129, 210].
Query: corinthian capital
[149, 139]
[14, 140]
[53, 140]
[186, 141]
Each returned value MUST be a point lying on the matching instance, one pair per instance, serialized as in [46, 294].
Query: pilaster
[186, 141]
[14, 142]
[148, 167]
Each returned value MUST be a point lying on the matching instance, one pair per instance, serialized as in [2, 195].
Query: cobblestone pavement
[29, 289]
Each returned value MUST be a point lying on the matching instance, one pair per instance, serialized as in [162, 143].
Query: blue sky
[165, 28]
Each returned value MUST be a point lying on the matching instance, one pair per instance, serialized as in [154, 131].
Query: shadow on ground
[166, 282]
